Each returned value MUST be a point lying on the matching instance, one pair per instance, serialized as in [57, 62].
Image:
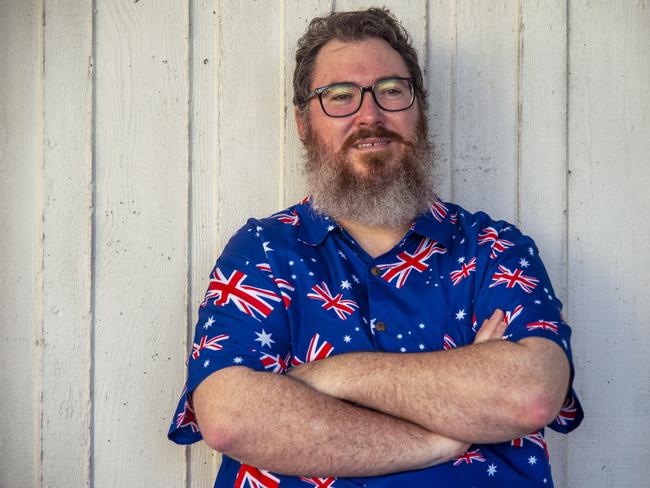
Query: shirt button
[375, 271]
[380, 326]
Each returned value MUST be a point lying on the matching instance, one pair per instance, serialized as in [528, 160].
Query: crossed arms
[367, 414]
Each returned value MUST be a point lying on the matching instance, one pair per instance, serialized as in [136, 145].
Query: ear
[301, 123]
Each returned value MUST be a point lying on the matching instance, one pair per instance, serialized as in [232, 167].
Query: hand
[492, 328]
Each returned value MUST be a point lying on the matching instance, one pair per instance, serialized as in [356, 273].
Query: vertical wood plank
[485, 175]
[542, 153]
[204, 66]
[609, 230]
[298, 14]
[141, 239]
[20, 241]
[250, 111]
[67, 232]
[440, 77]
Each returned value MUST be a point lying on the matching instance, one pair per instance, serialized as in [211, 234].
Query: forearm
[276, 423]
[483, 393]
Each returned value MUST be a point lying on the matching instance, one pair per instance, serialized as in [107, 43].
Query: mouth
[371, 143]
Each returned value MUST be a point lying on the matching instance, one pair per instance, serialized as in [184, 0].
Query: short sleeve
[242, 321]
[515, 280]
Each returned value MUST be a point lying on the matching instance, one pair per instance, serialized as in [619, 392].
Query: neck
[375, 240]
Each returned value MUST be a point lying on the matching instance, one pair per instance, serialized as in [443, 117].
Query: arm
[275, 422]
[483, 393]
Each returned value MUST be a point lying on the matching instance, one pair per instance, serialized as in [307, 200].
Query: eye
[340, 94]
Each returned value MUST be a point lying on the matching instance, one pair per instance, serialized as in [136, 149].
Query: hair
[352, 27]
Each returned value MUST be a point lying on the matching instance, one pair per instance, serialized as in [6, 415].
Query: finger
[489, 327]
[500, 329]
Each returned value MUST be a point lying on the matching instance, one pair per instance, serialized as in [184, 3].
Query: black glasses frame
[363, 89]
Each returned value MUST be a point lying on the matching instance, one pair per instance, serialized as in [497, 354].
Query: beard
[388, 193]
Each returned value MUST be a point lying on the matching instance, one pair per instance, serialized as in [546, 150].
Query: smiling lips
[371, 143]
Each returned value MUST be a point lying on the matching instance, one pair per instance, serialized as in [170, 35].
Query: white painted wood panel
[251, 110]
[67, 240]
[141, 149]
[609, 230]
[297, 15]
[204, 107]
[20, 242]
[485, 141]
[440, 76]
[542, 154]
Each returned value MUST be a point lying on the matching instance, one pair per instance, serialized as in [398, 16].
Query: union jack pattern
[469, 457]
[248, 299]
[568, 412]
[340, 306]
[490, 235]
[448, 342]
[438, 210]
[514, 278]
[464, 271]
[285, 287]
[544, 325]
[320, 482]
[275, 363]
[536, 438]
[318, 294]
[407, 262]
[251, 477]
[211, 344]
[315, 352]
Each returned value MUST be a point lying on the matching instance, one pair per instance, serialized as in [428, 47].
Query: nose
[369, 114]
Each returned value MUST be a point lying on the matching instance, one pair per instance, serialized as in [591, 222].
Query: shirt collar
[435, 223]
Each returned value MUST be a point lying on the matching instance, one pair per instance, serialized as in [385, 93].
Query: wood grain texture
[67, 234]
[485, 152]
[609, 229]
[141, 239]
[20, 242]
[204, 139]
[440, 76]
[250, 112]
[542, 153]
[297, 15]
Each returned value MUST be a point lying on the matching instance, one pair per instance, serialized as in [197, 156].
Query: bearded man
[365, 301]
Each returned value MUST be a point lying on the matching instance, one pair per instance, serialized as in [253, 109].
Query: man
[329, 293]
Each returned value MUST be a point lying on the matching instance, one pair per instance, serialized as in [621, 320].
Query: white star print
[531, 251]
[206, 363]
[266, 247]
[357, 329]
[421, 326]
[259, 228]
[538, 302]
[209, 323]
[421, 346]
[237, 360]
[311, 273]
[342, 254]
[372, 326]
[356, 280]
[460, 315]
[506, 229]
[532, 460]
[461, 259]
[462, 241]
[545, 290]
[523, 263]
[290, 263]
[264, 338]
[566, 346]
[313, 260]
[399, 336]
[345, 284]
[492, 469]
[402, 349]
[347, 338]
[293, 276]
[330, 228]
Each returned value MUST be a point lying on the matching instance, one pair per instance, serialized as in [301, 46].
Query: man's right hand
[492, 328]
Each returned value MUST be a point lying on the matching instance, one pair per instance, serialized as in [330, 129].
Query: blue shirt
[451, 271]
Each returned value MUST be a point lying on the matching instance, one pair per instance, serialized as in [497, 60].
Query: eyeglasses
[344, 99]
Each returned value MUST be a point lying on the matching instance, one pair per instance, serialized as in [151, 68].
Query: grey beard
[386, 196]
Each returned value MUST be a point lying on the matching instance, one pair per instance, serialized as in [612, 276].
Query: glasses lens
[340, 100]
[393, 94]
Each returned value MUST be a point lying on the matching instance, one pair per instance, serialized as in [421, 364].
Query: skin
[406, 429]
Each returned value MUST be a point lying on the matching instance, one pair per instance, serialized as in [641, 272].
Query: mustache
[380, 132]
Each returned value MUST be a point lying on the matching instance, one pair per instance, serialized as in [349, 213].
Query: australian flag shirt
[451, 271]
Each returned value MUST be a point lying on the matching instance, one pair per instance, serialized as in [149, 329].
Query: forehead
[362, 62]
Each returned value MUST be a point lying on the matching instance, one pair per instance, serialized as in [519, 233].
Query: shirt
[295, 287]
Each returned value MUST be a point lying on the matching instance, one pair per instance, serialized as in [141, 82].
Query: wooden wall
[136, 136]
